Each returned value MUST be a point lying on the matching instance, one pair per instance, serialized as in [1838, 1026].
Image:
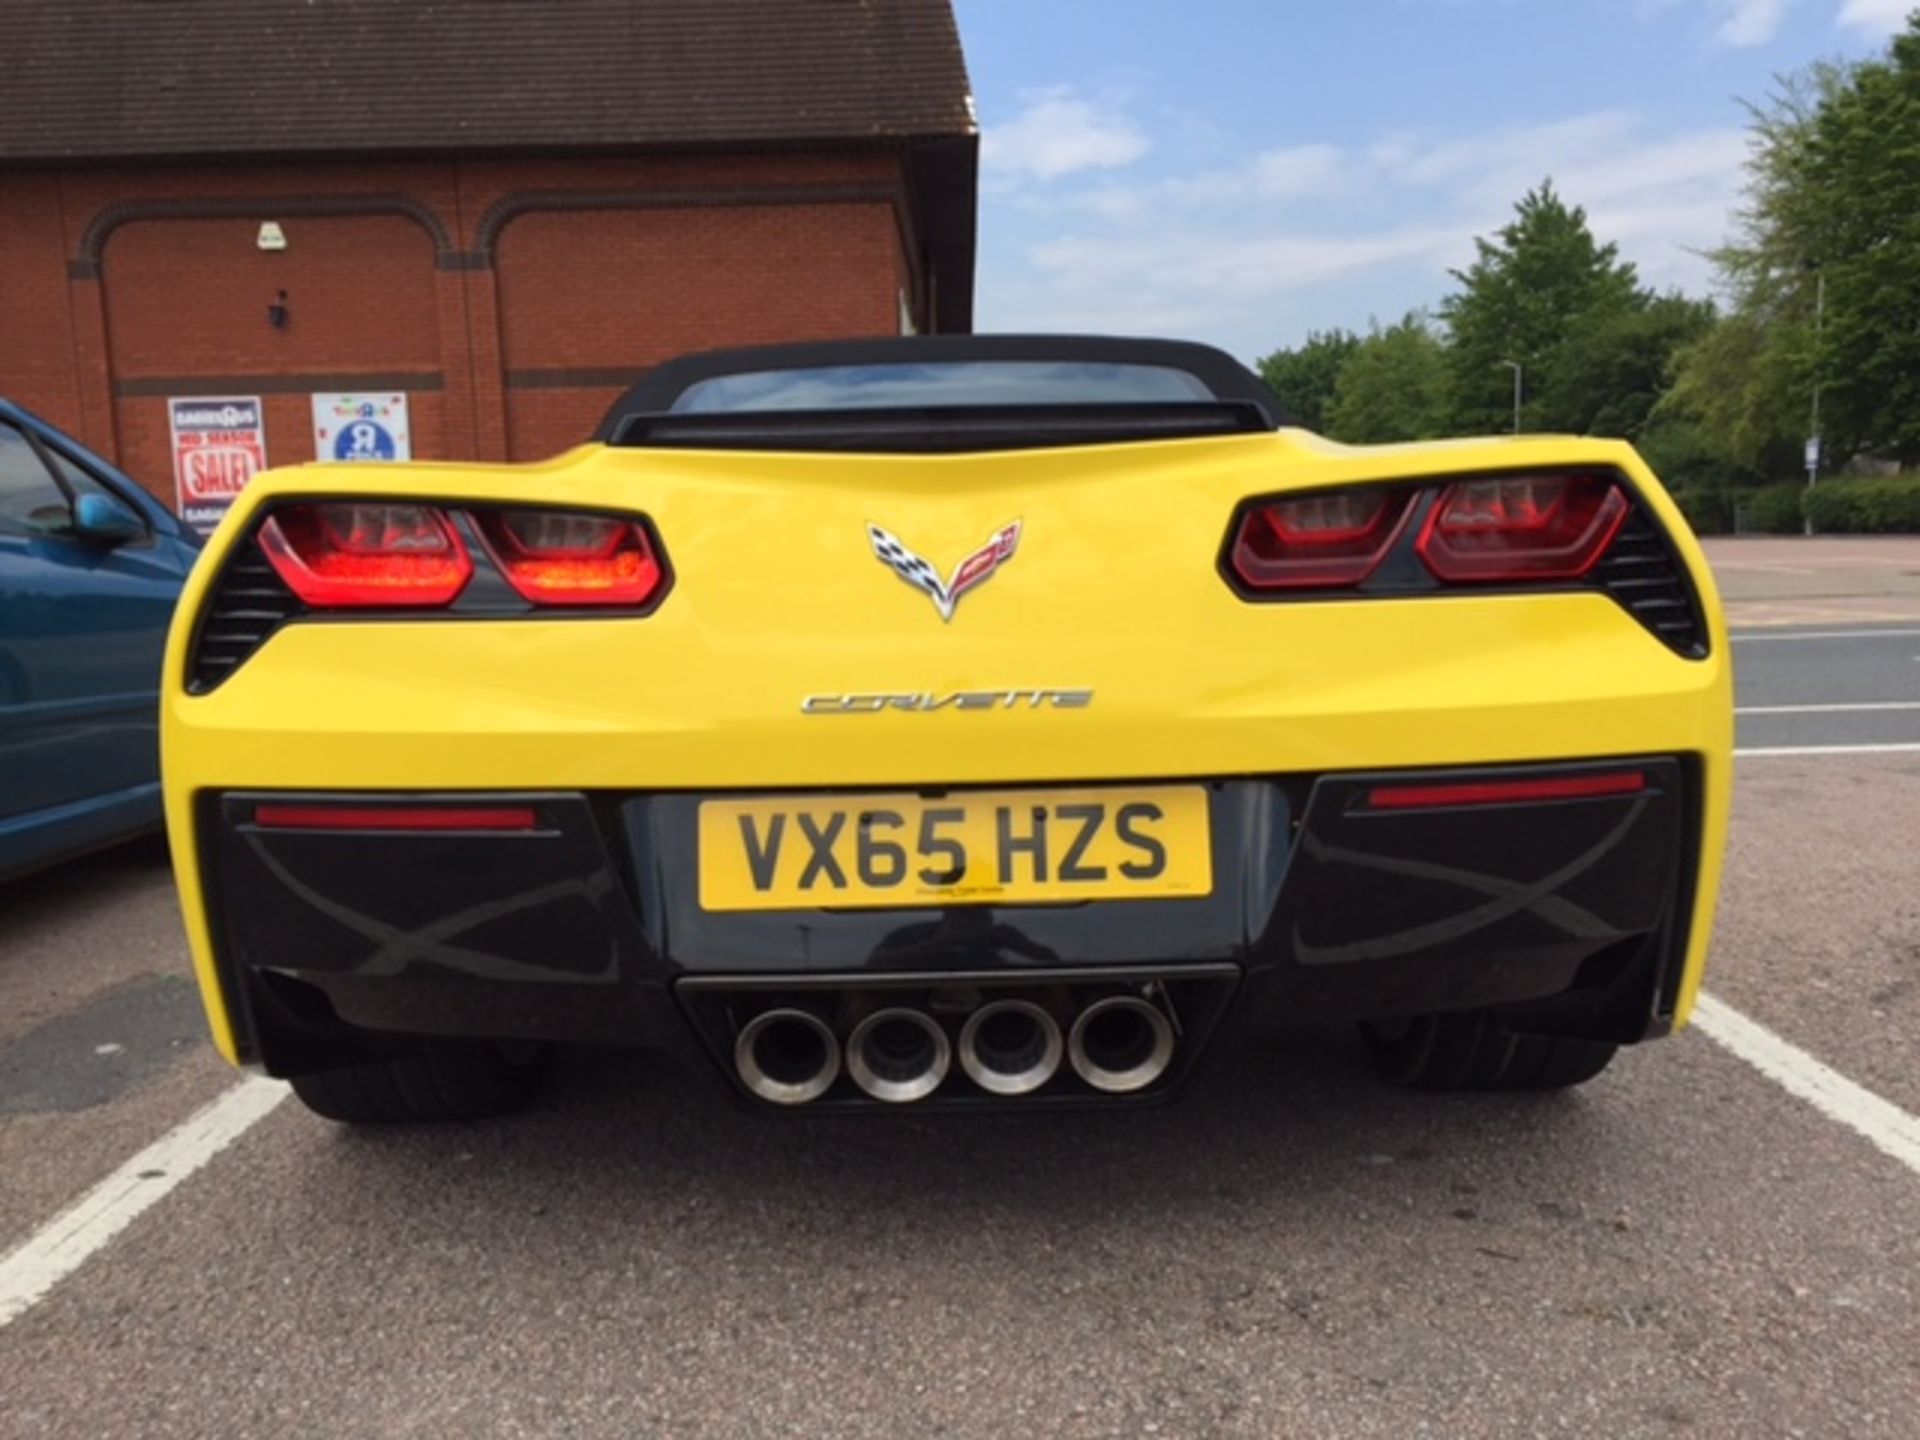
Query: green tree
[1393, 386]
[1745, 388]
[1824, 275]
[1304, 378]
[1539, 284]
[1612, 369]
[1735, 396]
[1858, 194]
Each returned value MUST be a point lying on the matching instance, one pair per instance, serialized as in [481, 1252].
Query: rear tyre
[440, 1080]
[1469, 1051]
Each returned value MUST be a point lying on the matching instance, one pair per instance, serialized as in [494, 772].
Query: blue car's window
[30, 501]
[79, 481]
[943, 383]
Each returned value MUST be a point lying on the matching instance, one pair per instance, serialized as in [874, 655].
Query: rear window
[957, 383]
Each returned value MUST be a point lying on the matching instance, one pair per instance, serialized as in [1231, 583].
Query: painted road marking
[1744, 638]
[1748, 615]
[1827, 709]
[1880, 1122]
[64, 1243]
[1768, 752]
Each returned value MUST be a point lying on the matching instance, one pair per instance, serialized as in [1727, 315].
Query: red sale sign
[217, 447]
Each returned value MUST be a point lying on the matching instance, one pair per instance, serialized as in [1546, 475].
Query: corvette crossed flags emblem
[969, 574]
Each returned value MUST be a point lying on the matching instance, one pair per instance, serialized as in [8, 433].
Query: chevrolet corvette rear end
[952, 722]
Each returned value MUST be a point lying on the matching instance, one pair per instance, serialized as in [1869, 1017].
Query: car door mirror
[106, 520]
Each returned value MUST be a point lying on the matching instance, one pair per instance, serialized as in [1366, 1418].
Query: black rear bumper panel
[1569, 914]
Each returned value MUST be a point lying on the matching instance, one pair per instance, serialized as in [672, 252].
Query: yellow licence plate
[782, 852]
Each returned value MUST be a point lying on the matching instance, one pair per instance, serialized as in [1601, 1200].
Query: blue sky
[1244, 172]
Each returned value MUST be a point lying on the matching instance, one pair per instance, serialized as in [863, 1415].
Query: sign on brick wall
[361, 427]
[218, 446]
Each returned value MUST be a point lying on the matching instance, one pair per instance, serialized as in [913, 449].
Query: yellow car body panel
[777, 597]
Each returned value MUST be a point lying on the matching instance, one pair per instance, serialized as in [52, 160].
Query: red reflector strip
[395, 817]
[1505, 792]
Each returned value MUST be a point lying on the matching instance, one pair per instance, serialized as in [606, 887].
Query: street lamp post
[1814, 443]
[1518, 373]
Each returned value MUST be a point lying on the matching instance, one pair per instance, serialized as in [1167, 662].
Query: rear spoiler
[940, 429]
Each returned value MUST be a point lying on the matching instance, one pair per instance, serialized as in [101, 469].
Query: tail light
[319, 558]
[354, 555]
[1521, 527]
[1330, 539]
[560, 557]
[1577, 529]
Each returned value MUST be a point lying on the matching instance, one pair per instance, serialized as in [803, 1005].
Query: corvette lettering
[926, 700]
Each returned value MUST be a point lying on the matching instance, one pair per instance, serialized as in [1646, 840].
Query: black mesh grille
[249, 603]
[1645, 576]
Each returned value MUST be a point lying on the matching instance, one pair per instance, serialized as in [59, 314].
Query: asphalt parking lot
[1720, 1236]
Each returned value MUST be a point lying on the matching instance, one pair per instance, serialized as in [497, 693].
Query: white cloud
[1494, 158]
[1591, 158]
[1743, 24]
[1299, 170]
[1749, 22]
[1878, 18]
[1059, 134]
[1198, 261]
[1254, 253]
[1290, 173]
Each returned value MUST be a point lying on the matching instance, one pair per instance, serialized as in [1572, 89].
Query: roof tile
[105, 79]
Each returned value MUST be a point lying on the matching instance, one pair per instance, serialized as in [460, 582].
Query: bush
[1709, 512]
[1775, 510]
[1888, 505]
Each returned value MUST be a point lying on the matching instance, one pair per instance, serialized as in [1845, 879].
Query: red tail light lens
[1521, 527]
[559, 557]
[1333, 538]
[352, 555]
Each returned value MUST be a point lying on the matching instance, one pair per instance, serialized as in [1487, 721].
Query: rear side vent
[1641, 571]
[249, 603]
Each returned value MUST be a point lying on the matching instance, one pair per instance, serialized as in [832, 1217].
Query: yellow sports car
[949, 721]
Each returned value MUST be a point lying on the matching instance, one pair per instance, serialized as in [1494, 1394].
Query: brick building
[503, 208]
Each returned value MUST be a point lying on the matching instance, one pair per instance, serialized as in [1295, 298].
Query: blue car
[90, 568]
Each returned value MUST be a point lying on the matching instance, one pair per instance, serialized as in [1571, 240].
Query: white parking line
[1880, 1122]
[64, 1243]
[1748, 637]
[1769, 752]
[1827, 709]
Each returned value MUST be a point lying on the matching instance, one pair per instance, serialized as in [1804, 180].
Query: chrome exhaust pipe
[786, 1056]
[1010, 1047]
[898, 1054]
[1120, 1044]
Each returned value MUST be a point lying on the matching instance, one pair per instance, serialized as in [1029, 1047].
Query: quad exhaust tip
[1120, 1044]
[1010, 1047]
[898, 1055]
[787, 1057]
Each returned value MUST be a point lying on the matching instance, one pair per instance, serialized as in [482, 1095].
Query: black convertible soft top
[1185, 389]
